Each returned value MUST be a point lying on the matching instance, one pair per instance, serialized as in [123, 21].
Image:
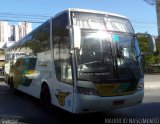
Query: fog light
[85, 91]
[140, 87]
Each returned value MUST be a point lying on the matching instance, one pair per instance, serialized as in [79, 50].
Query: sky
[141, 14]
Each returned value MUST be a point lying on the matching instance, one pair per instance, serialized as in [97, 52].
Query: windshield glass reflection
[106, 56]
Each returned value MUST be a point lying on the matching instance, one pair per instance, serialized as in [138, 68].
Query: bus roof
[69, 10]
[95, 11]
[89, 11]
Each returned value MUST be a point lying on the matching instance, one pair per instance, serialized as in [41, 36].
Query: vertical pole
[158, 15]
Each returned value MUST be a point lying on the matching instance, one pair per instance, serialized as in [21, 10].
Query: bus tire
[45, 97]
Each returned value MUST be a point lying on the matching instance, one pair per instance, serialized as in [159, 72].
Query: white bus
[79, 60]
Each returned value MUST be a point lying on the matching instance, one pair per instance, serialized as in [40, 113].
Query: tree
[149, 58]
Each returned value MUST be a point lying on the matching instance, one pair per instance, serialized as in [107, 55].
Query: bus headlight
[140, 86]
[85, 91]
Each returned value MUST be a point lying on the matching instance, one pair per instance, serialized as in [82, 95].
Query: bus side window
[61, 46]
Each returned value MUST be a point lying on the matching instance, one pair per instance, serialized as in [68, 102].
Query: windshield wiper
[114, 65]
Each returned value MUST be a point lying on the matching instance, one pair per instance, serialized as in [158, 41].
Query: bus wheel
[45, 97]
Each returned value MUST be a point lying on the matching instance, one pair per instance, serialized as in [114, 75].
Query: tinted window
[38, 41]
[61, 46]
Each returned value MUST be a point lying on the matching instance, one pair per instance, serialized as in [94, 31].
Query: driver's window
[91, 49]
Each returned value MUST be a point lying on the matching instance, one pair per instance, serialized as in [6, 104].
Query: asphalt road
[23, 109]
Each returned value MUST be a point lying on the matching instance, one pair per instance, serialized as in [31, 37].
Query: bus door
[63, 62]
[63, 68]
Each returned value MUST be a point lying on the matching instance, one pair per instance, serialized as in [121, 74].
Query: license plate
[107, 89]
[118, 102]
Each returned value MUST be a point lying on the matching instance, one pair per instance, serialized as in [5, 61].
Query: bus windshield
[95, 57]
[109, 50]
[106, 56]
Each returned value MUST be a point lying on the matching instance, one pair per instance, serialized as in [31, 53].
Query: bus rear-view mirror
[151, 41]
[76, 34]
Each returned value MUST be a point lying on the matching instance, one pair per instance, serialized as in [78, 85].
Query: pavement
[152, 85]
[152, 81]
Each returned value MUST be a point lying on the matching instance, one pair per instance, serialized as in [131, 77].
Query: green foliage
[157, 55]
[143, 43]
[149, 58]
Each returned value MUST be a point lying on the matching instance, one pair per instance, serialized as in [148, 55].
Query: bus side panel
[32, 71]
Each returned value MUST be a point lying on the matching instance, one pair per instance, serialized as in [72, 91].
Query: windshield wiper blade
[113, 61]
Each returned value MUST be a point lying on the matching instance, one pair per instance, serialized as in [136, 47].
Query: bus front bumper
[90, 103]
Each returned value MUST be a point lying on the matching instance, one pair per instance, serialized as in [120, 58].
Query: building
[24, 28]
[9, 34]
[3, 33]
